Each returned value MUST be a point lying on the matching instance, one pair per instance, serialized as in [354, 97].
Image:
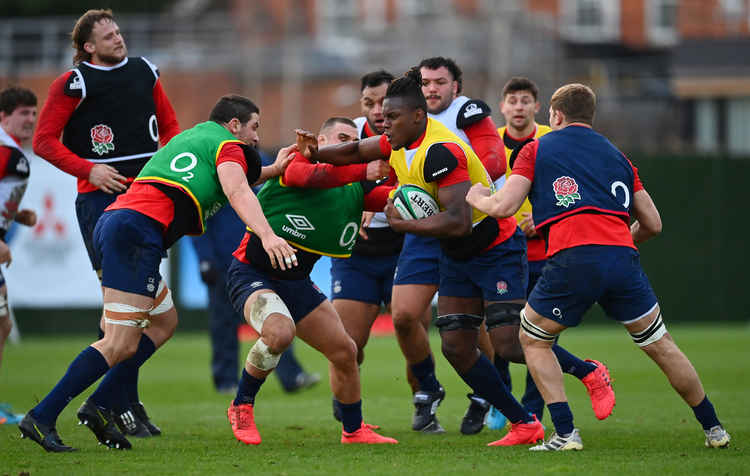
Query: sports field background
[650, 432]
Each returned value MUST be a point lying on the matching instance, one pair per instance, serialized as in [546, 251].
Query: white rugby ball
[413, 203]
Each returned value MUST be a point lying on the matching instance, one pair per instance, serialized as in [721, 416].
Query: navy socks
[123, 376]
[247, 389]
[562, 418]
[571, 364]
[705, 414]
[485, 380]
[351, 415]
[82, 372]
[425, 373]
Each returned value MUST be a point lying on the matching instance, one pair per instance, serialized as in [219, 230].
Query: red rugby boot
[521, 434]
[243, 423]
[599, 386]
[365, 435]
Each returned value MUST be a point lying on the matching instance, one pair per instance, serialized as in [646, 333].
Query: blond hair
[576, 101]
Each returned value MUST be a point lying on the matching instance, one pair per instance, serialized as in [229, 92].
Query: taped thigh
[125, 315]
[265, 305]
[534, 331]
[651, 334]
[452, 322]
[163, 300]
[503, 314]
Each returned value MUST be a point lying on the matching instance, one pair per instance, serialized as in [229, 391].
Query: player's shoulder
[441, 158]
[541, 130]
[471, 112]
[73, 84]
[151, 66]
[360, 123]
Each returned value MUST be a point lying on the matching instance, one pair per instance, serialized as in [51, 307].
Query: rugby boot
[717, 437]
[101, 422]
[473, 421]
[561, 443]
[243, 423]
[130, 425]
[46, 436]
[425, 406]
[140, 413]
[599, 386]
[521, 434]
[365, 435]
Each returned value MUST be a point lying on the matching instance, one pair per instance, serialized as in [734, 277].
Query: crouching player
[322, 219]
[186, 181]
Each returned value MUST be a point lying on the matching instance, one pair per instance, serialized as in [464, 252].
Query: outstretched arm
[367, 150]
[245, 203]
[502, 203]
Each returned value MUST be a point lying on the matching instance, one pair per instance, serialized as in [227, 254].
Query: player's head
[405, 110]
[372, 91]
[442, 81]
[18, 112]
[239, 115]
[337, 130]
[520, 103]
[96, 38]
[572, 103]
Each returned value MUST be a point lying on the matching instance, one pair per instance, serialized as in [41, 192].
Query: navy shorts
[129, 246]
[575, 278]
[499, 274]
[535, 272]
[363, 278]
[301, 296]
[89, 207]
[419, 261]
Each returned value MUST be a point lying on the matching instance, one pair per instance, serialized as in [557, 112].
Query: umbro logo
[76, 83]
[256, 284]
[300, 222]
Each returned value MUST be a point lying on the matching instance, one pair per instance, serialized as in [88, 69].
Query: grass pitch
[650, 432]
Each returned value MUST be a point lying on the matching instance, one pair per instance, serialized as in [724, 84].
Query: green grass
[650, 432]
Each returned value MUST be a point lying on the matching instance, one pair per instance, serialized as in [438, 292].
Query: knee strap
[265, 305]
[503, 314]
[534, 331]
[125, 315]
[651, 334]
[163, 300]
[452, 322]
[261, 358]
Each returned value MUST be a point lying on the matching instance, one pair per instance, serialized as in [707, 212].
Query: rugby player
[584, 193]
[317, 208]
[186, 181]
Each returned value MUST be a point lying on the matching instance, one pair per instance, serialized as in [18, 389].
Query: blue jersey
[578, 170]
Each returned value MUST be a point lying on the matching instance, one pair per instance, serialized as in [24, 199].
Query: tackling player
[186, 181]
[584, 192]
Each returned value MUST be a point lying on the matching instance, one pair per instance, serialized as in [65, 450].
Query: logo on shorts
[102, 139]
[502, 287]
[557, 312]
[256, 284]
[151, 287]
[336, 287]
[566, 191]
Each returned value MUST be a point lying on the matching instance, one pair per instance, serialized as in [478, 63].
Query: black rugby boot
[46, 436]
[425, 406]
[473, 421]
[101, 422]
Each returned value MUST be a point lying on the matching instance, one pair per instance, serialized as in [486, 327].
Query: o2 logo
[184, 163]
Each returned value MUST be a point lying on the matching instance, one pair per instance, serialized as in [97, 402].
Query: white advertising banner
[50, 266]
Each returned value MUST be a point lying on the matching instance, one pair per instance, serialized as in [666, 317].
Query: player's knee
[264, 306]
[262, 357]
[345, 353]
[530, 334]
[404, 321]
[278, 337]
[653, 333]
[501, 314]
[5, 327]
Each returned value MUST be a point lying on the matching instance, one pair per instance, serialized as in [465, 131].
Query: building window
[661, 22]
[738, 117]
[591, 21]
[706, 125]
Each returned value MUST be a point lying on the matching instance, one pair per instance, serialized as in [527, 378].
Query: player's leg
[474, 417]
[322, 329]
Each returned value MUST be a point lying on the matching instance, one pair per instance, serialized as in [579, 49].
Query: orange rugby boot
[365, 435]
[599, 385]
[243, 423]
[521, 434]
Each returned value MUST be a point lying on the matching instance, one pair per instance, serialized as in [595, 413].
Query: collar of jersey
[107, 68]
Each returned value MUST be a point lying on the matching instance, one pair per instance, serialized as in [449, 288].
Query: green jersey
[188, 163]
[321, 221]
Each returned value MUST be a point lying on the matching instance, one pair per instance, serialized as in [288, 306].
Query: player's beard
[113, 59]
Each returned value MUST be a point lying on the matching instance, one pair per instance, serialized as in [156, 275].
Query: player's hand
[378, 170]
[106, 178]
[279, 252]
[5, 253]
[283, 158]
[393, 216]
[307, 142]
[476, 193]
[26, 217]
[527, 225]
[366, 219]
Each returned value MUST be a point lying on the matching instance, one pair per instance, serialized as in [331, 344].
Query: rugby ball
[414, 203]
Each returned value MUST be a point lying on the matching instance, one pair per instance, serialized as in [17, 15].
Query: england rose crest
[566, 191]
[102, 139]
